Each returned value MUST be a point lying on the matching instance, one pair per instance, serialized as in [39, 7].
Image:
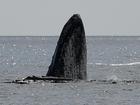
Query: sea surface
[111, 61]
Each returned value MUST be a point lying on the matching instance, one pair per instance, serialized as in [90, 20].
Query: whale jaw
[70, 56]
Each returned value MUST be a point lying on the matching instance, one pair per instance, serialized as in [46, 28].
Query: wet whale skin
[70, 56]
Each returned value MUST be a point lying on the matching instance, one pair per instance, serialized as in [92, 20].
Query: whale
[70, 56]
[69, 61]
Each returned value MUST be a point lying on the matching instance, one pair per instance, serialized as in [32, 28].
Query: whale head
[70, 56]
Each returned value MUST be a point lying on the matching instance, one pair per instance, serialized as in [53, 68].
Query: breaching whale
[70, 56]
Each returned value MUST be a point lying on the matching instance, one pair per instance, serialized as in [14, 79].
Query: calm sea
[109, 58]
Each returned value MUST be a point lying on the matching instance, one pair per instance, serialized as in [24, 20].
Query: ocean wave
[121, 64]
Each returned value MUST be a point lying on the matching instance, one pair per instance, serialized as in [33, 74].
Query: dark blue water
[109, 58]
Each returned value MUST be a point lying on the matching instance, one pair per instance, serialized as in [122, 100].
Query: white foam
[126, 64]
[120, 64]
[101, 64]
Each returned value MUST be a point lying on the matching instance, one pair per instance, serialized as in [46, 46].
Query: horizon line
[135, 34]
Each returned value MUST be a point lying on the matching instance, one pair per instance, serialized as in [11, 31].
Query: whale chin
[70, 56]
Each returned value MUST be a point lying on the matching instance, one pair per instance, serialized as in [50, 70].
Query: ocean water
[109, 59]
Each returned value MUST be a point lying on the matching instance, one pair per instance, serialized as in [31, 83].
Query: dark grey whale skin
[70, 56]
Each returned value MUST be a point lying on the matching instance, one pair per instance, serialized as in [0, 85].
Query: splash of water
[113, 78]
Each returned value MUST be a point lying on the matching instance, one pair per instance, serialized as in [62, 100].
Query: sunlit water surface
[109, 58]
